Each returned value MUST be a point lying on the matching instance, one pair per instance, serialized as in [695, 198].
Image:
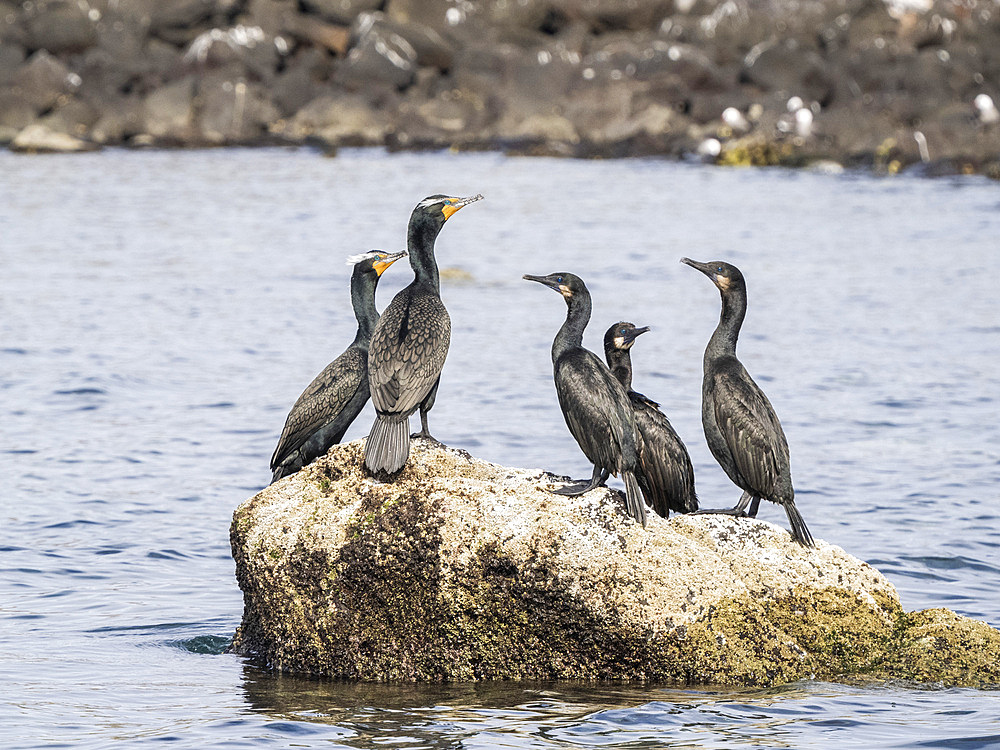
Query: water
[159, 313]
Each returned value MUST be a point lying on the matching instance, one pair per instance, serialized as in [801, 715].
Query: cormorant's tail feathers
[799, 531]
[633, 497]
[388, 445]
[290, 465]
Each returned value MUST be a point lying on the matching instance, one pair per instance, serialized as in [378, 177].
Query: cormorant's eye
[559, 279]
[719, 269]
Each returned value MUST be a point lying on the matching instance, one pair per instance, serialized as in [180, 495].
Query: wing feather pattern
[751, 430]
[323, 401]
[407, 352]
[591, 398]
[667, 477]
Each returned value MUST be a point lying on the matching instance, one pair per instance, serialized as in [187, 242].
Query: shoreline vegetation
[858, 84]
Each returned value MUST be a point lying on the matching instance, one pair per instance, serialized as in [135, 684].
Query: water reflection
[558, 715]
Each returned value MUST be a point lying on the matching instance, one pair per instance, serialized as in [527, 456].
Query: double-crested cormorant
[741, 427]
[324, 411]
[410, 344]
[594, 404]
[666, 475]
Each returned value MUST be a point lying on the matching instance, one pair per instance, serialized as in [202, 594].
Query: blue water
[160, 312]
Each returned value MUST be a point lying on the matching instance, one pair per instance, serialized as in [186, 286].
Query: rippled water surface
[160, 312]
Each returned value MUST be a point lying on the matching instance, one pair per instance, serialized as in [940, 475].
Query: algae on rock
[466, 570]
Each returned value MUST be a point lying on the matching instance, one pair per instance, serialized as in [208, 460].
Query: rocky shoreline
[465, 570]
[845, 83]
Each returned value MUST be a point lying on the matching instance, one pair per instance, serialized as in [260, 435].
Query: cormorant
[410, 344]
[741, 427]
[324, 411]
[666, 476]
[594, 404]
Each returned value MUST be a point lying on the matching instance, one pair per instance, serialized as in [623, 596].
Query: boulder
[60, 26]
[40, 139]
[467, 570]
[42, 80]
[233, 110]
[169, 111]
[379, 57]
[341, 12]
[338, 120]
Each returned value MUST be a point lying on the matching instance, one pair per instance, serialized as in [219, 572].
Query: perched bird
[595, 405]
[410, 344]
[741, 427]
[324, 411]
[666, 476]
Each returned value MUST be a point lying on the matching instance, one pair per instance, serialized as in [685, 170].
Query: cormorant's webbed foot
[738, 512]
[426, 436]
[578, 488]
[425, 432]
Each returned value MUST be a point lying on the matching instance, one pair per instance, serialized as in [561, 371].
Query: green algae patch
[464, 570]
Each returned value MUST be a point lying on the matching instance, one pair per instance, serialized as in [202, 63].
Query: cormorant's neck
[570, 336]
[620, 363]
[363, 299]
[420, 236]
[734, 309]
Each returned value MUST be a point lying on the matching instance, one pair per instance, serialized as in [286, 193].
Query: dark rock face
[862, 82]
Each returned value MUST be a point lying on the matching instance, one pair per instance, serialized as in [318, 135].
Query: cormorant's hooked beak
[709, 270]
[454, 204]
[550, 282]
[387, 260]
[630, 336]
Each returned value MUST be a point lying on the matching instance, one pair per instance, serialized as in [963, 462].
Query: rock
[42, 80]
[584, 78]
[610, 15]
[344, 120]
[466, 570]
[75, 117]
[341, 12]
[15, 112]
[37, 139]
[432, 50]
[233, 110]
[60, 26]
[785, 66]
[378, 57]
[122, 119]
[302, 80]
[169, 111]
[167, 18]
[328, 36]
[11, 58]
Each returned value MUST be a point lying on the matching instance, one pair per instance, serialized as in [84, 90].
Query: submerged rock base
[466, 570]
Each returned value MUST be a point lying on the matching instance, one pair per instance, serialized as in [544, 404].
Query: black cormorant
[324, 411]
[594, 404]
[666, 476]
[741, 427]
[410, 344]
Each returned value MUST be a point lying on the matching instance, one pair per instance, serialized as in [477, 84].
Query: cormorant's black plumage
[594, 404]
[410, 344]
[666, 475]
[741, 427]
[324, 411]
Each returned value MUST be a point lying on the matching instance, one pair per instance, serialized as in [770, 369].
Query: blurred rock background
[868, 83]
